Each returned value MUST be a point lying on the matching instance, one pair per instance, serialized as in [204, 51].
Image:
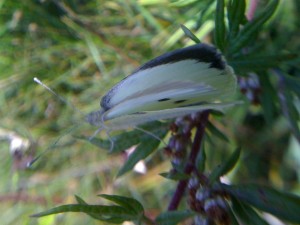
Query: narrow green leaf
[201, 159]
[80, 200]
[225, 167]
[150, 131]
[141, 152]
[216, 132]
[220, 25]
[246, 214]
[293, 84]
[113, 214]
[268, 97]
[189, 34]
[148, 16]
[179, 167]
[182, 3]
[236, 16]
[251, 29]
[207, 9]
[233, 217]
[173, 217]
[148, 144]
[175, 176]
[259, 63]
[130, 203]
[283, 205]
[96, 216]
[288, 108]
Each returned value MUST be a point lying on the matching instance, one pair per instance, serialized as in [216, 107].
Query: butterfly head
[95, 118]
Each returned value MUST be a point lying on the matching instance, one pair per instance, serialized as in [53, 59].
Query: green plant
[268, 76]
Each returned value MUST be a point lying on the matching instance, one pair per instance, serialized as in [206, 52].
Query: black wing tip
[200, 52]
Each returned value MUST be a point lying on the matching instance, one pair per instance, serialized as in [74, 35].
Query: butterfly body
[174, 84]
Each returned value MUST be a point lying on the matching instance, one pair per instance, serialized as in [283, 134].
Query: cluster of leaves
[243, 198]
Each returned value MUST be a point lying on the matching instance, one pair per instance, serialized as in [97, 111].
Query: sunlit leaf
[189, 34]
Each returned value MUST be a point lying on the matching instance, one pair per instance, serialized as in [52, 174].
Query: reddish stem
[252, 8]
[179, 192]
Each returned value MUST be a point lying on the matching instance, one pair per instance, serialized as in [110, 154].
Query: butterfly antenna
[57, 95]
[151, 134]
[51, 146]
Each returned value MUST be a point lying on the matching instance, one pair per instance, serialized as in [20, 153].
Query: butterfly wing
[129, 121]
[173, 85]
[194, 63]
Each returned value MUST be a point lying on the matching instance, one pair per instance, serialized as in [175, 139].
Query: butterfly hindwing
[127, 121]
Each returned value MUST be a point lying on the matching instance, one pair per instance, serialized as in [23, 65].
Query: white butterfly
[175, 84]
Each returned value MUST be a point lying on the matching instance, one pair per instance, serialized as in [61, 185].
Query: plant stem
[252, 9]
[190, 165]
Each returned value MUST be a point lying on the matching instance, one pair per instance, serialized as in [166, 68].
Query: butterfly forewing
[156, 71]
[174, 91]
[188, 77]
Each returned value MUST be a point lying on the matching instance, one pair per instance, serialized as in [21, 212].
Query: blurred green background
[80, 49]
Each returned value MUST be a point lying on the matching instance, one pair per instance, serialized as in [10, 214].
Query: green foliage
[126, 209]
[220, 25]
[246, 214]
[173, 217]
[225, 167]
[216, 132]
[251, 29]
[189, 34]
[236, 16]
[283, 205]
[201, 159]
[82, 48]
